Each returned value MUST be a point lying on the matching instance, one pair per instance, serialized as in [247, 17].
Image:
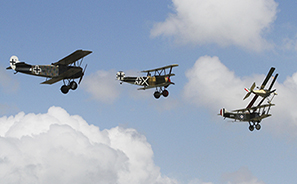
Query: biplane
[66, 69]
[158, 78]
[255, 114]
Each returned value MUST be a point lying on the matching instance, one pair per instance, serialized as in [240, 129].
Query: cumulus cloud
[290, 44]
[242, 176]
[230, 22]
[56, 147]
[102, 86]
[212, 85]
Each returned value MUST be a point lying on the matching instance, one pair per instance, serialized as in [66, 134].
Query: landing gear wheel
[65, 89]
[258, 126]
[157, 94]
[251, 128]
[73, 85]
[165, 93]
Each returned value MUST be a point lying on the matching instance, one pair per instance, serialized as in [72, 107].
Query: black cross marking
[138, 80]
[36, 69]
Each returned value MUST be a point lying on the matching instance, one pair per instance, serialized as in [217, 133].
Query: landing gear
[164, 92]
[258, 126]
[65, 89]
[254, 125]
[157, 94]
[71, 85]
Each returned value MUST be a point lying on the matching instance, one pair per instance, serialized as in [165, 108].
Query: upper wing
[53, 80]
[161, 68]
[253, 108]
[271, 85]
[73, 57]
[267, 77]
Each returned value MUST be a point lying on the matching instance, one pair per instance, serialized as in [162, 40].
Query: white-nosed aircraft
[66, 69]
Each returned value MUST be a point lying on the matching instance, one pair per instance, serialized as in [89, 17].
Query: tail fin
[13, 60]
[249, 91]
[120, 75]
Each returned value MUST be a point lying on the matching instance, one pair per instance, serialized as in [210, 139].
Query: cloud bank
[230, 22]
[56, 147]
[212, 85]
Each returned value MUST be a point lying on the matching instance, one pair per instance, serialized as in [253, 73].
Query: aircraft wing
[154, 86]
[60, 77]
[161, 68]
[253, 108]
[52, 80]
[267, 77]
[76, 55]
[261, 117]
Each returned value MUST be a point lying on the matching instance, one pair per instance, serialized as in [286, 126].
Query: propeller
[82, 75]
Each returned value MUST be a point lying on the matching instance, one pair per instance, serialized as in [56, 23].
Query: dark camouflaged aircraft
[66, 69]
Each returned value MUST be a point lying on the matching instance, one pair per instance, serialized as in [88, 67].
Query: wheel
[258, 126]
[165, 93]
[251, 128]
[65, 89]
[157, 94]
[73, 85]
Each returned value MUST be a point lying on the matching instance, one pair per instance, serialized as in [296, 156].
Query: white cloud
[290, 44]
[212, 85]
[242, 176]
[230, 22]
[102, 86]
[56, 147]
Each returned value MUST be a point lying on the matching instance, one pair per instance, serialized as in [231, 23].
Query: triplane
[159, 80]
[66, 69]
[254, 114]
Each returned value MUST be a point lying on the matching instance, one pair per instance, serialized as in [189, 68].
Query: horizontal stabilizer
[249, 91]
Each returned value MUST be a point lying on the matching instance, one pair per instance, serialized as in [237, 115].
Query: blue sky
[220, 46]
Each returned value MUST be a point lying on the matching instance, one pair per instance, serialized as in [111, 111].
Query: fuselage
[240, 116]
[147, 81]
[49, 71]
[263, 92]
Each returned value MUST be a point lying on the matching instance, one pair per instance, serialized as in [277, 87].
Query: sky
[105, 132]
